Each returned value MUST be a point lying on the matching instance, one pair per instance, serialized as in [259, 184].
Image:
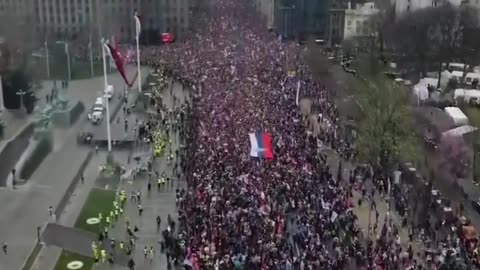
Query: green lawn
[98, 201]
[66, 257]
[473, 114]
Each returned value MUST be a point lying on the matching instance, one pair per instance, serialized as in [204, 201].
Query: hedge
[43, 148]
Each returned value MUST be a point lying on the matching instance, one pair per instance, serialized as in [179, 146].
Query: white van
[109, 92]
[97, 112]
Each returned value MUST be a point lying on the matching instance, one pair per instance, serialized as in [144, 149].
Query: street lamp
[46, 57]
[21, 93]
[68, 57]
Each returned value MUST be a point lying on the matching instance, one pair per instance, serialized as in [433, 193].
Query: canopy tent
[458, 117]
[459, 131]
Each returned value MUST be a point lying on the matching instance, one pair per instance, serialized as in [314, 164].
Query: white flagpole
[91, 55]
[139, 77]
[298, 93]
[109, 136]
[46, 57]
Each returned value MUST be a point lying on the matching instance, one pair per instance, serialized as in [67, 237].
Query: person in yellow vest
[96, 256]
[121, 246]
[94, 247]
[159, 183]
[121, 210]
[100, 217]
[127, 221]
[103, 254]
[107, 220]
[116, 214]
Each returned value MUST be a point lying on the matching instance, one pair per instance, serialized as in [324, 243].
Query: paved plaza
[27, 206]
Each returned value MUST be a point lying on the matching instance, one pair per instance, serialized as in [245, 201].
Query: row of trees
[427, 38]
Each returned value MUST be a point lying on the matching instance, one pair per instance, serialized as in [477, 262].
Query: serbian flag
[118, 59]
[261, 145]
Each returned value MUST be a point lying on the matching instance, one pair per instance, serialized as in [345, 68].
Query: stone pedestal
[62, 118]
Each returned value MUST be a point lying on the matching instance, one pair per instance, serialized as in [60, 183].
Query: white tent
[458, 117]
[466, 94]
[459, 131]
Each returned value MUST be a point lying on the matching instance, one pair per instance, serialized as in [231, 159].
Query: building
[404, 6]
[267, 9]
[301, 18]
[358, 21]
[67, 18]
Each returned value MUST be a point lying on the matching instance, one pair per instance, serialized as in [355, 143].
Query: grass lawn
[66, 257]
[98, 201]
[473, 114]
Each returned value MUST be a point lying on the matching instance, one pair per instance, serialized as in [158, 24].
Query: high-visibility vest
[107, 219]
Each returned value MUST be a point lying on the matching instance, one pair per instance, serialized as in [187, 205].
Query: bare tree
[428, 37]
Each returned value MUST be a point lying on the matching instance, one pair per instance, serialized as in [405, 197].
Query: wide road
[26, 208]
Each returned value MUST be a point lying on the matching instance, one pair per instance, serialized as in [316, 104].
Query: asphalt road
[26, 207]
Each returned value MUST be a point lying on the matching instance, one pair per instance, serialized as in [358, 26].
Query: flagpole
[91, 56]
[109, 137]
[137, 32]
[46, 57]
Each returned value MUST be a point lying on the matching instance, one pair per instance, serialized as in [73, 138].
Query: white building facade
[358, 20]
[106, 17]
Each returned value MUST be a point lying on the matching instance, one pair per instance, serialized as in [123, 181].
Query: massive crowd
[240, 212]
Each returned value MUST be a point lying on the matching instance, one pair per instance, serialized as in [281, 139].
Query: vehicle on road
[109, 92]
[97, 112]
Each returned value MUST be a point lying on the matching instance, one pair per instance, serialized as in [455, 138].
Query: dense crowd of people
[241, 212]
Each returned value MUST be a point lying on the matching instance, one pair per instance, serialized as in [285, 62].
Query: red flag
[117, 58]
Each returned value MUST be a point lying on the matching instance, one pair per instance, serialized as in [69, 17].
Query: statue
[60, 103]
[43, 116]
[58, 98]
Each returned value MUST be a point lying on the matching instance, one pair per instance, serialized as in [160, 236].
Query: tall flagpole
[46, 57]
[91, 55]
[109, 136]
[137, 37]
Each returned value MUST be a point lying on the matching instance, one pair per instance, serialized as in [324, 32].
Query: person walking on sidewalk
[131, 264]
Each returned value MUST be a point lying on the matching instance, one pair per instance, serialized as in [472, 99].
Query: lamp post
[21, 93]
[47, 59]
[68, 57]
